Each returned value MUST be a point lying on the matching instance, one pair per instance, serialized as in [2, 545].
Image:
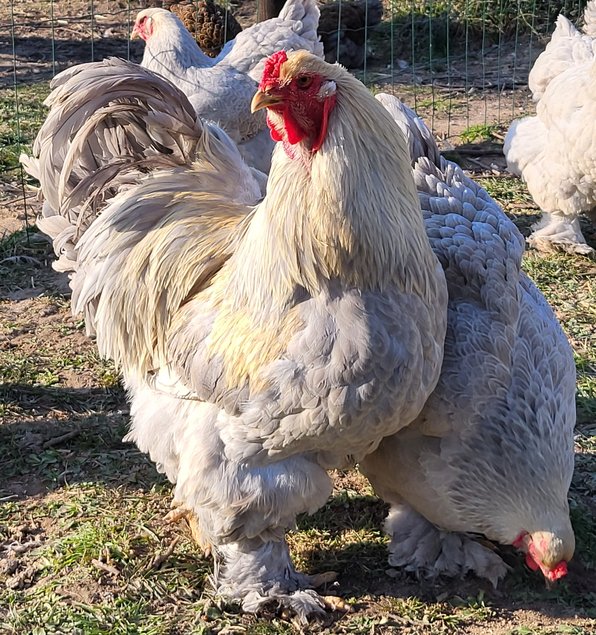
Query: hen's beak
[264, 100]
[135, 33]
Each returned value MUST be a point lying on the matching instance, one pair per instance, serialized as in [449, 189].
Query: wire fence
[462, 64]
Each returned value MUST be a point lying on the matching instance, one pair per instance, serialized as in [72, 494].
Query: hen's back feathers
[492, 450]
[421, 142]
[567, 48]
[295, 28]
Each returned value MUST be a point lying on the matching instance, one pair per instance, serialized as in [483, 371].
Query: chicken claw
[180, 512]
[328, 602]
[335, 603]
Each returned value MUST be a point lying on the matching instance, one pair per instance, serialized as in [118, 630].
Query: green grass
[16, 135]
[480, 132]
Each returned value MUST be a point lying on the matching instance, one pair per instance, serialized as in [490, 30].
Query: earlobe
[328, 106]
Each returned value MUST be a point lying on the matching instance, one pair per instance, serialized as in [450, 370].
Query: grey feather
[492, 450]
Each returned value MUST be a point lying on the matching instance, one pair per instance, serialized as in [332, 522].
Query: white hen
[492, 451]
[553, 151]
[220, 89]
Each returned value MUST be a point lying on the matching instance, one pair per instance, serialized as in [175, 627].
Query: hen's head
[299, 92]
[547, 551]
[149, 21]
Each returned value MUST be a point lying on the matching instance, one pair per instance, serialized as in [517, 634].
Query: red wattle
[560, 571]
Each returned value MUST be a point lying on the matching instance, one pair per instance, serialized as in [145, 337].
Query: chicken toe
[555, 233]
[180, 512]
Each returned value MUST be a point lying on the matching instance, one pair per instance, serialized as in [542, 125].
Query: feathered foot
[555, 233]
[420, 547]
[181, 512]
[261, 573]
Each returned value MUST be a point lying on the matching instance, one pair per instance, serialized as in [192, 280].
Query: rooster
[492, 451]
[260, 345]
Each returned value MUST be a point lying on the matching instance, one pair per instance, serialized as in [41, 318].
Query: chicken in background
[555, 154]
[491, 452]
[343, 27]
[167, 50]
[260, 346]
[210, 24]
[554, 151]
[221, 89]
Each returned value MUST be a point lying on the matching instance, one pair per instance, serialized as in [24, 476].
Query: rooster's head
[299, 92]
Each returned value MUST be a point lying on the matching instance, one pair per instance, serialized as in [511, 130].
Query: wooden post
[268, 9]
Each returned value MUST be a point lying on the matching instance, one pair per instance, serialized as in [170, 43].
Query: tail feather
[110, 123]
[295, 28]
[589, 27]
[420, 139]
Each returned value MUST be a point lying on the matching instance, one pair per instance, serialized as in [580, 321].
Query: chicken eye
[303, 81]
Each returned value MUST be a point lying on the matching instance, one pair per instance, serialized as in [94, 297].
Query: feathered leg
[246, 528]
[559, 233]
[242, 511]
[260, 573]
[420, 547]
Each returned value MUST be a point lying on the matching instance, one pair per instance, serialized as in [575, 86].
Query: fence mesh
[462, 64]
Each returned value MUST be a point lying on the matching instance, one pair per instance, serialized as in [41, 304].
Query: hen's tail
[420, 139]
[295, 28]
[589, 27]
[568, 47]
[110, 123]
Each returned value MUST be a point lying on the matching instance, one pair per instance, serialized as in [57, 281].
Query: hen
[259, 345]
[343, 29]
[169, 47]
[553, 151]
[220, 89]
[555, 154]
[492, 451]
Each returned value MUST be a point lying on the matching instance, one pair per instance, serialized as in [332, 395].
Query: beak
[264, 100]
[134, 34]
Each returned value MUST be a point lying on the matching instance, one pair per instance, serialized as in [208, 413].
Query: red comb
[272, 69]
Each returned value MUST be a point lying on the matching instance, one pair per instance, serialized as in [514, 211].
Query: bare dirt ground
[63, 413]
